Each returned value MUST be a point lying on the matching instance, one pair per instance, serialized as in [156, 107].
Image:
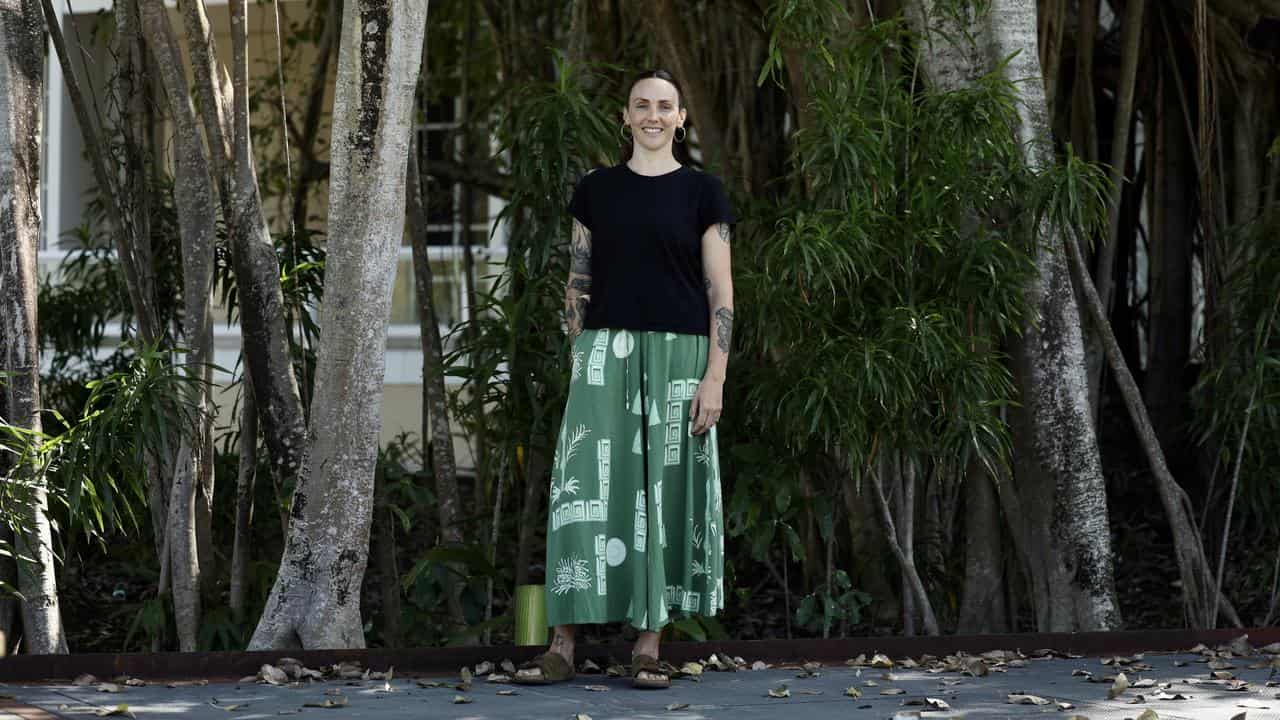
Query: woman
[635, 526]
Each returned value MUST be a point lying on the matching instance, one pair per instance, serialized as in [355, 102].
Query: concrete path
[1190, 694]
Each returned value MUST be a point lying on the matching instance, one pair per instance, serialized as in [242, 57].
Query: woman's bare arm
[707, 405]
[577, 291]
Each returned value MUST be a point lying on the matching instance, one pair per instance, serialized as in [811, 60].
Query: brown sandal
[658, 679]
[551, 666]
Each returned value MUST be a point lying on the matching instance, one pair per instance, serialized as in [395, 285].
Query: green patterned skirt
[635, 526]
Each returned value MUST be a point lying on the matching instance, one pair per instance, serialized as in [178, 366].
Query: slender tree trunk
[9, 607]
[905, 512]
[311, 169]
[383, 548]
[127, 240]
[911, 579]
[264, 335]
[1169, 341]
[21, 103]
[1055, 442]
[197, 211]
[1199, 595]
[246, 477]
[1084, 115]
[316, 598]
[435, 403]
[1131, 45]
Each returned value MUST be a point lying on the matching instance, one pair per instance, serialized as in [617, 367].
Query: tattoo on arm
[724, 329]
[707, 283]
[580, 250]
[581, 283]
[723, 230]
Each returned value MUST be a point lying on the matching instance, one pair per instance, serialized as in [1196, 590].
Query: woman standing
[635, 529]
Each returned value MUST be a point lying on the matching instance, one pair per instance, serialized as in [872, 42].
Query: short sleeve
[578, 205]
[714, 206]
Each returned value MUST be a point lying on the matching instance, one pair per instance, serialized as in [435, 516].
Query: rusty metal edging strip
[439, 660]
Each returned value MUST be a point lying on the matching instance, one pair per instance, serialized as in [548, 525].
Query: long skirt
[635, 521]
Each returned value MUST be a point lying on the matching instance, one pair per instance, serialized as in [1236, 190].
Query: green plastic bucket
[531, 615]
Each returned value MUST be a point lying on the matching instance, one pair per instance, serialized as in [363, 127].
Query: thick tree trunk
[197, 212]
[21, 102]
[1055, 443]
[316, 598]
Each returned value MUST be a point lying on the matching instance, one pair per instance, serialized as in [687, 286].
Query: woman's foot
[644, 663]
[554, 665]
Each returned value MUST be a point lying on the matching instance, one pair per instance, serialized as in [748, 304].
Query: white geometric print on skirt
[655, 553]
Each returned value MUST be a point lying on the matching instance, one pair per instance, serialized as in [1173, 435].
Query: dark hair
[680, 150]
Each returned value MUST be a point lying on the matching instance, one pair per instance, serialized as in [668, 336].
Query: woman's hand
[704, 411]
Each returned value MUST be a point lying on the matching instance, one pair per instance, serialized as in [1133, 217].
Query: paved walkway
[1173, 686]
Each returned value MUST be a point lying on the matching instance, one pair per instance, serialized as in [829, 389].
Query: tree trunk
[197, 212]
[127, 240]
[435, 403]
[1169, 341]
[246, 477]
[9, 607]
[1131, 42]
[1055, 443]
[912, 585]
[310, 168]
[21, 103]
[383, 548]
[677, 49]
[315, 602]
[982, 606]
[264, 335]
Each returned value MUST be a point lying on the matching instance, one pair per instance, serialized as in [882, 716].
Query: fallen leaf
[329, 703]
[780, 692]
[853, 692]
[860, 660]
[691, 668]
[1024, 699]
[931, 703]
[1120, 685]
[596, 688]
[1252, 705]
[1219, 664]
[120, 709]
[273, 675]
[589, 667]
[1272, 649]
[615, 670]
[85, 679]
[1240, 646]
[229, 708]
[759, 665]
[1064, 705]
[581, 716]
[1143, 683]
[1148, 714]
[893, 691]
[462, 700]
[107, 687]
[677, 706]
[508, 667]
[430, 683]
[484, 668]
[508, 692]
[881, 661]
[498, 678]
[135, 682]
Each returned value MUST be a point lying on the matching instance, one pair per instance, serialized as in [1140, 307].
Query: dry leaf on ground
[1120, 685]
[677, 706]
[462, 700]
[780, 692]
[1025, 699]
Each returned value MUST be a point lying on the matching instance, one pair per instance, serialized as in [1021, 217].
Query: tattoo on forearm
[580, 252]
[581, 283]
[723, 230]
[707, 282]
[724, 328]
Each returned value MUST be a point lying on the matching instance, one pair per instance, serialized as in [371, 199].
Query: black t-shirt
[646, 246]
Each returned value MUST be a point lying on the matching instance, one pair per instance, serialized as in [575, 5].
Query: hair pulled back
[680, 150]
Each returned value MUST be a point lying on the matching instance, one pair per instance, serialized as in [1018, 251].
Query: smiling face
[653, 112]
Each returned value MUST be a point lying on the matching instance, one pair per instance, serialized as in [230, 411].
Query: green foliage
[1243, 368]
[829, 605]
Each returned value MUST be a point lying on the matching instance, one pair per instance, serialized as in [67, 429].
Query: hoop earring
[624, 131]
[681, 133]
